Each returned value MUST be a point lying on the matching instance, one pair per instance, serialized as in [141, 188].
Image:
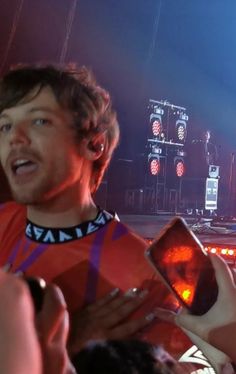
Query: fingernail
[60, 296]
[143, 294]
[19, 273]
[132, 292]
[114, 292]
[150, 317]
[6, 267]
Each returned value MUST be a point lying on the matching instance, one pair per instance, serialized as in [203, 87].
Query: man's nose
[19, 134]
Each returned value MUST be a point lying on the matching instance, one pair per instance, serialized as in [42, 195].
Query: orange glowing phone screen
[185, 268]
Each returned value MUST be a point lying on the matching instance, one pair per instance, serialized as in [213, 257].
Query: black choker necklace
[61, 235]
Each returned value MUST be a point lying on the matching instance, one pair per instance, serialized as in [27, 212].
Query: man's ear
[95, 146]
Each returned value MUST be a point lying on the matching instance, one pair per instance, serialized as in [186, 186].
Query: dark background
[180, 50]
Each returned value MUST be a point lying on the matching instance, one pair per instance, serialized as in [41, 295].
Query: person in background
[202, 153]
[125, 357]
[209, 149]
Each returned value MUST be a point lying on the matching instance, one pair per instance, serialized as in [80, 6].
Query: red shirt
[88, 261]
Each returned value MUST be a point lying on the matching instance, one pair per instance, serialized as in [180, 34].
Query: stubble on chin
[24, 198]
[29, 196]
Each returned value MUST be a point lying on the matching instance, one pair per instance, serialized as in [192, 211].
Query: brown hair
[75, 90]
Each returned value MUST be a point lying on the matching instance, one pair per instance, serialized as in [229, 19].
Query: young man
[57, 135]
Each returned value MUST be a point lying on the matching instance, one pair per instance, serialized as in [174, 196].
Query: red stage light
[179, 168]
[181, 131]
[156, 127]
[155, 166]
[156, 124]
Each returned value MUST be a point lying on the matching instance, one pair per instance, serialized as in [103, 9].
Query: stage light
[179, 167]
[154, 166]
[226, 251]
[181, 131]
[156, 124]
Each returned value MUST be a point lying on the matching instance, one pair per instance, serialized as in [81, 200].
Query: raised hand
[106, 319]
[218, 325]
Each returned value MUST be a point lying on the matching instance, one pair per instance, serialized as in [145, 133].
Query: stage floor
[148, 226]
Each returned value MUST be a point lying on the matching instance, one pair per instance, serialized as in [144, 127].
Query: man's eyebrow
[41, 109]
[33, 110]
[3, 115]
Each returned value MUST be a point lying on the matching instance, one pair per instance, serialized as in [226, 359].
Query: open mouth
[23, 166]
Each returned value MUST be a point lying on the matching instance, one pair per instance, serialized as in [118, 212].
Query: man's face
[207, 136]
[38, 150]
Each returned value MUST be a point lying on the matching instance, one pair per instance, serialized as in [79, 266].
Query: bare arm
[19, 347]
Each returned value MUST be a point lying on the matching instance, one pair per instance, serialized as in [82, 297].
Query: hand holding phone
[183, 265]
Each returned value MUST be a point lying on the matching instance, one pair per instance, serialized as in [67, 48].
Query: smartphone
[184, 266]
[37, 287]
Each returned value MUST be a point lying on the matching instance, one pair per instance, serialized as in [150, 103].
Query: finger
[52, 313]
[6, 267]
[61, 332]
[15, 295]
[122, 312]
[183, 311]
[233, 271]
[19, 273]
[223, 274]
[103, 301]
[165, 315]
[4, 275]
[116, 303]
[54, 349]
[129, 328]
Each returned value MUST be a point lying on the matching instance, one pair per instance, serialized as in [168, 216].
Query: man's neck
[63, 212]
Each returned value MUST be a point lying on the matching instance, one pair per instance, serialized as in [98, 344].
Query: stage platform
[223, 238]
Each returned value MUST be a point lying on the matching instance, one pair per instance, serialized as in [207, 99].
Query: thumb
[191, 323]
[53, 317]
[165, 315]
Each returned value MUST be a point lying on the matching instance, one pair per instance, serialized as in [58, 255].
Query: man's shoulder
[11, 210]
[123, 233]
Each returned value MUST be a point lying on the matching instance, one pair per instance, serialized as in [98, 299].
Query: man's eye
[41, 121]
[5, 127]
